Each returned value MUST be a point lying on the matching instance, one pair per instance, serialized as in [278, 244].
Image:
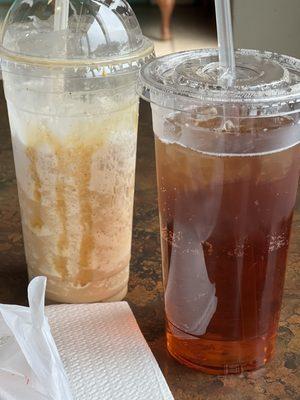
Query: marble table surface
[280, 380]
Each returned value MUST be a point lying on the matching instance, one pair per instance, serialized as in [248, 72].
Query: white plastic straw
[225, 39]
[61, 15]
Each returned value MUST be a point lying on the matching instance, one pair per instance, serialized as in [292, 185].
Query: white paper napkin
[95, 351]
[105, 354]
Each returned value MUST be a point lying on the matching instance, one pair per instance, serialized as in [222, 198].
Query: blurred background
[176, 25]
[173, 25]
[267, 25]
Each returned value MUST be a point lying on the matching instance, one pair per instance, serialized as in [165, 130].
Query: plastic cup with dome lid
[69, 70]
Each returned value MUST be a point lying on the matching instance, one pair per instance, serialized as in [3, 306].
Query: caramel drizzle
[63, 241]
[86, 221]
[36, 221]
[82, 175]
[60, 260]
[76, 162]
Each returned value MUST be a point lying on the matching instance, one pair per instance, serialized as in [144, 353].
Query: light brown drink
[69, 76]
[76, 186]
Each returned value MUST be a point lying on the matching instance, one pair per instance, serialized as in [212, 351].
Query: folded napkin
[103, 355]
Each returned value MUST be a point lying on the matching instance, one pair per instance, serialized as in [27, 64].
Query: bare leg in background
[166, 9]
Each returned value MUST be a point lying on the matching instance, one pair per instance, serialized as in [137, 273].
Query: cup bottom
[53, 299]
[221, 357]
[109, 288]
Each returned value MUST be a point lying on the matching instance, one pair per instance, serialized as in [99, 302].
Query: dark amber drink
[228, 160]
[225, 226]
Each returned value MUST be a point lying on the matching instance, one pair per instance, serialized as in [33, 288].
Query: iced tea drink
[225, 223]
[228, 162]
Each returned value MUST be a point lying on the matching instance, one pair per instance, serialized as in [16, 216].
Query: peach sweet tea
[227, 174]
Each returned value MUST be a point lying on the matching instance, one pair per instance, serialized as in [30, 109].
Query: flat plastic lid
[265, 83]
[103, 32]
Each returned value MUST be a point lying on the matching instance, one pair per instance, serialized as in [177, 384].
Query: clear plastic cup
[73, 112]
[227, 171]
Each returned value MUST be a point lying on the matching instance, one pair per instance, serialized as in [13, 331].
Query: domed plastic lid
[265, 82]
[74, 33]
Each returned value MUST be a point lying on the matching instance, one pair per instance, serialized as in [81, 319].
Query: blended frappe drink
[73, 113]
[76, 186]
[228, 162]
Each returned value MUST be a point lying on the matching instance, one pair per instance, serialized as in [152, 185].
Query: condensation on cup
[73, 112]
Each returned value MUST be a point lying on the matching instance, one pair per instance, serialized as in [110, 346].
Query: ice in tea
[225, 224]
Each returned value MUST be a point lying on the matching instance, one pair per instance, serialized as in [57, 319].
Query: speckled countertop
[280, 380]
